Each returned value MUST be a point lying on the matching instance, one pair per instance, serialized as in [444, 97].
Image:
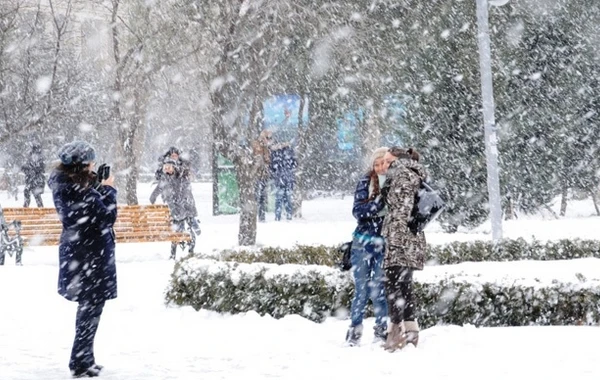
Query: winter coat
[176, 191]
[87, 270]
[366, 213]
[34, 170]
[283, 164]
[403, 247]
[262, 159]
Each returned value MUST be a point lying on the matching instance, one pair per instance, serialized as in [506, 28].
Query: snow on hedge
[484, 294]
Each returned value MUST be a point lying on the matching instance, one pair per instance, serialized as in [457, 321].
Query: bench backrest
[41, 226]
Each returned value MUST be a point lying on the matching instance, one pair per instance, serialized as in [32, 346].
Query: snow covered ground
[140, 338]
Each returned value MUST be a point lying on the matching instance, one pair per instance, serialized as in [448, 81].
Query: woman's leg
[361, 273]
[86, 326]
[398, 285]
[377, 287]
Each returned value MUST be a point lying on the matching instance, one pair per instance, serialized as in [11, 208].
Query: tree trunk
[131, 176]
[321, 172]
[510, 209]
[248, 205]
[549, 209]
[301, 159]
[563, 200]
[595, 200]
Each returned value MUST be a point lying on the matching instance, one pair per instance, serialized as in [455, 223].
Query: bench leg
[2, 254]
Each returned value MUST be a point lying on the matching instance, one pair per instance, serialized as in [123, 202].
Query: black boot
[380, 332]
[89, 372]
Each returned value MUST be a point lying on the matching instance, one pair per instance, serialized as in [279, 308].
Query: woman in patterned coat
[405, 250]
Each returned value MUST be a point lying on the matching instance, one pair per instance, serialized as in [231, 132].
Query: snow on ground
[140, 338]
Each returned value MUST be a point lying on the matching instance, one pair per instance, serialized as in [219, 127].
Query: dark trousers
[86, 325]
[283, 197]
[180, 226]
[399, 290]
[261, 198]
[27, 195]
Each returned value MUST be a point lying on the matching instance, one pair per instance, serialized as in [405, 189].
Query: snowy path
[139, 338]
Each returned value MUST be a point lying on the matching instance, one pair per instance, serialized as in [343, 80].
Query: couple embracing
[385, 252]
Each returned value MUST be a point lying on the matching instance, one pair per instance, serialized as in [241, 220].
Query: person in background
[87, 270]
[177, 195]
[174, 154]
[35, 181]
[283, 165]
[261, 150]
[367, 252]
[405, 250]
[184, 184]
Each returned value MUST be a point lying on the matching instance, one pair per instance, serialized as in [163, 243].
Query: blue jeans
[367, 267]
[283, 195]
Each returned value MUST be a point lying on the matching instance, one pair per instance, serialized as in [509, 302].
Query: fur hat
[76, 152]
[377, 154]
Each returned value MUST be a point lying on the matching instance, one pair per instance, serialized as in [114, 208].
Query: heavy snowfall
[157, 156]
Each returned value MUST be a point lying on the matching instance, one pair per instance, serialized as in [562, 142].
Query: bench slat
[147, 223]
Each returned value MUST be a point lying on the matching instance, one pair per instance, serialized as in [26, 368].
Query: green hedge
[452, 253]
[317, 292]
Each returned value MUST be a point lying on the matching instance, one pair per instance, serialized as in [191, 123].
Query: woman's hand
[110, 181]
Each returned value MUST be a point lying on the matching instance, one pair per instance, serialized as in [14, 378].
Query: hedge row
[317, 292]
[452, 253]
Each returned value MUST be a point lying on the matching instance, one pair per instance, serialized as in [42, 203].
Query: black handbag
[346, 251]
[428, 206]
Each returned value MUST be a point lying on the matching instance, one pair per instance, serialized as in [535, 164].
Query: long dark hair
[79, 174]
[374, 179]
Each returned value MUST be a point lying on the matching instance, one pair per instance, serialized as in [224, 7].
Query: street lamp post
[489, 123]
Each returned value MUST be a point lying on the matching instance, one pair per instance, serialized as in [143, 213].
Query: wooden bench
[135, 224]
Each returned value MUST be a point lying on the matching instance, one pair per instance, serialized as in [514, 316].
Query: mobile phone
[103, 172]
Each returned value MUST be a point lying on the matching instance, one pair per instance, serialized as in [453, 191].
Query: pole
[489, 123]
[215, 175]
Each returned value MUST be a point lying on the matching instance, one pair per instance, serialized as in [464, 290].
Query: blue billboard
[281, 116]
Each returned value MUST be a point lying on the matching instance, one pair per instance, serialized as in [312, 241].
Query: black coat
[176, 192]
[283, 165]
[34, 173]
[87, 245]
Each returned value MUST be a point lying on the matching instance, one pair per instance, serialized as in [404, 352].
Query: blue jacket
[283, 164]
[87, 270]
[369, 224]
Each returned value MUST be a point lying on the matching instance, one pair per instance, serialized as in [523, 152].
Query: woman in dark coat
[87, 273]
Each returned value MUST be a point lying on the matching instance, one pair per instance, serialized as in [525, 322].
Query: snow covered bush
[312, 291]
[455, 296]
[452, 253]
